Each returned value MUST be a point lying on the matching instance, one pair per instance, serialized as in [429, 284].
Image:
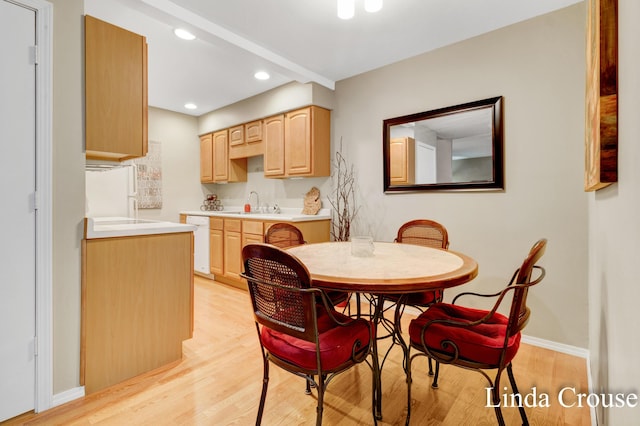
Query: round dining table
[389, 268]
[392, 268]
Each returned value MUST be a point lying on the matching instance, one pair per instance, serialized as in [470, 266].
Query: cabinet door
[115, 92]
[232, 255]
[274, 146]
[252, 232]
[253, 132]
[206, 158]
[297, 136]
[251, 239]
[220, 156]
[402, 161]
[216, 252]
[236, 136]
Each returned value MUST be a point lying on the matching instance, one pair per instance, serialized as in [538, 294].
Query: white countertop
[109, 227]
[286, 214]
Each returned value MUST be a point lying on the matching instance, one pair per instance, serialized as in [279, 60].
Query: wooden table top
[393, 267]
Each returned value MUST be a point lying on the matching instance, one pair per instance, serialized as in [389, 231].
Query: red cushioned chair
[297, 327]
[285, 235]
[478, 339]
[422, 232]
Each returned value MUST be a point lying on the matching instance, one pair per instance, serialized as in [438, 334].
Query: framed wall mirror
[454, 148]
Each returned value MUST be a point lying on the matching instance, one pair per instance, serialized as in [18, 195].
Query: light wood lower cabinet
[229, 236]
[216, 246]
[137, 305]
[252, 232]
[232, 246]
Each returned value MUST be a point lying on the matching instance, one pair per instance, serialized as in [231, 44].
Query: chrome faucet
[257, 201]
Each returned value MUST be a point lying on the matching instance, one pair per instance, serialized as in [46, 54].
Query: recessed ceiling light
[262, 75]
[190, 106]
[346, 9]
[372, 5]
[183, 34]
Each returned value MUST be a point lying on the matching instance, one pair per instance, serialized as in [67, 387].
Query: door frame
[43, 202]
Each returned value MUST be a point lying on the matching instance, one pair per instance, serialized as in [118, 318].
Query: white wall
[538, 66]
[180, 151]
[614, 243]
[68, 190]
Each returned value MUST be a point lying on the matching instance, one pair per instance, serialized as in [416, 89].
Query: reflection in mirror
[457, 147]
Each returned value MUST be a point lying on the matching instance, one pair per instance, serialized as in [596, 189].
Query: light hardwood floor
[219, 379]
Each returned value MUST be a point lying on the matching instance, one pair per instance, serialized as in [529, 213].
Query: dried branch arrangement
[343, 202]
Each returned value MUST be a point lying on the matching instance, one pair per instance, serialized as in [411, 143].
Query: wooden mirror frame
[495, 183]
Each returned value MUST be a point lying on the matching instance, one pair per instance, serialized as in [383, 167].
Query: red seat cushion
[336, 342]
[424, 298]
[480, 343]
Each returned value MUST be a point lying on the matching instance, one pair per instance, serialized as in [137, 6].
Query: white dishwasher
[201, 243]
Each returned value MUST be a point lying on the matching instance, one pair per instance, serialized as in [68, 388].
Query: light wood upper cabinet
[215, 164]
[253, 132]
[274, 146]
[236, 136]
[304, 149]
[221, 156]
[402, 162]
[246, 140]
[115, 92]
[206, 158]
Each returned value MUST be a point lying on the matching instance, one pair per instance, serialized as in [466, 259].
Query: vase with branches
[343, 200]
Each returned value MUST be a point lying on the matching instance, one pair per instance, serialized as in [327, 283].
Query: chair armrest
[513, 277]
[501, 295]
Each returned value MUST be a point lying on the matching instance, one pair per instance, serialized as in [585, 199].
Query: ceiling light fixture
[262, 75]
[190, 106]
[183, 34]
[346, 8]
[372, 5]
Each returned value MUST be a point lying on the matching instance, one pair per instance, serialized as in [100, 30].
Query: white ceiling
[294, 40]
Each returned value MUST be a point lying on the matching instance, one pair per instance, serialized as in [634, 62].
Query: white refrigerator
[111, 191]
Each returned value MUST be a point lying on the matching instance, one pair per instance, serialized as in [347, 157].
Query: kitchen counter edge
[277, 217]
[93, 229]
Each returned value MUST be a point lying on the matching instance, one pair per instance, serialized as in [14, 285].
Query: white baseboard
[68, 395]
[569, 350]
[555, 346]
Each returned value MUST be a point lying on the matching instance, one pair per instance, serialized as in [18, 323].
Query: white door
[425, 163]
[17, 214]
